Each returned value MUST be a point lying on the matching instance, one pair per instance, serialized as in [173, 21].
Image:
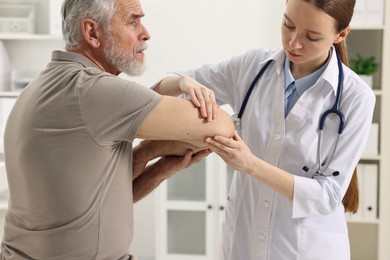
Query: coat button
[262, 237]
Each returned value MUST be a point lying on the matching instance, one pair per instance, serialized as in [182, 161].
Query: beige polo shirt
[68, 154]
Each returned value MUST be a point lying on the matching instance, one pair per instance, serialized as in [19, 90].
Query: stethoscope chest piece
[236, 121]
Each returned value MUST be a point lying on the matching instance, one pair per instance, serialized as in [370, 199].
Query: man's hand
[169, 165]
[163, 169]
[148, 150]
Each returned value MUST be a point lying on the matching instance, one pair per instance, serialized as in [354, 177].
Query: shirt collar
[303, 84]
[73, 57]
[330, 74]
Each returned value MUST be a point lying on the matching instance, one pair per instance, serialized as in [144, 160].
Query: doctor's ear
[342, 34]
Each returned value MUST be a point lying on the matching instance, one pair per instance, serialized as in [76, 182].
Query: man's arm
[149, 150]
[164, 168]
[178, 119]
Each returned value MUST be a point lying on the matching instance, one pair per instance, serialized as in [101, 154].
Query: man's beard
[119, 58]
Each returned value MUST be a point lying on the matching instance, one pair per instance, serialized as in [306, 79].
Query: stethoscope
[322, 167]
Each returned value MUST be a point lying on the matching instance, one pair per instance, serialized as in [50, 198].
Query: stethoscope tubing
[334, 110]
[336, 106]
[251, 87]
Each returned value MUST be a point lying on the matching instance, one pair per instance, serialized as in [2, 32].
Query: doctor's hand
[201, 96]
[233, 151]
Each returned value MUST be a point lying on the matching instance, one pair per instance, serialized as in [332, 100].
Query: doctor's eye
[312, 39]
[288, 26]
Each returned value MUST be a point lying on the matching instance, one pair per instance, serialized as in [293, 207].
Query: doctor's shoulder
[356, 88]
[258, 55]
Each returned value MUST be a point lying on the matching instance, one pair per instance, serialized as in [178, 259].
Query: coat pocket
[322, 245]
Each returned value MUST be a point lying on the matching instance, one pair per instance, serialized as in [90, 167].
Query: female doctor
[286, 197]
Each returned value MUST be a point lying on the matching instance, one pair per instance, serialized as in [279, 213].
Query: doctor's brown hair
[342, 11]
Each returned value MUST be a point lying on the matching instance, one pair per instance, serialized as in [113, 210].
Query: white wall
[186, 34]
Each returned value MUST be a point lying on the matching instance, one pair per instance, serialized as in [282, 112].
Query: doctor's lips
[293, 54]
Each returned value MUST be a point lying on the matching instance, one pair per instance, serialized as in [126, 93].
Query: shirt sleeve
[114, 108]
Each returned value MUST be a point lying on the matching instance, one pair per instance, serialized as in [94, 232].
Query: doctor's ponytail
[351, 197]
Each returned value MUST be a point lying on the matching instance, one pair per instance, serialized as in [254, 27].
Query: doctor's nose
[295, 42]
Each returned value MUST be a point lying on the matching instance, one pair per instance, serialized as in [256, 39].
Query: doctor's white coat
[260, 223]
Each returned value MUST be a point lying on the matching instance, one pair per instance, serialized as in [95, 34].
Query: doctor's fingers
[233, 157]
[208, 103]
[234, 142]
[230, 142]
[204, 99]
[201, 96]
[223, 145]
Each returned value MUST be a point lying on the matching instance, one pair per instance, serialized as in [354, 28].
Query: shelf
[367, 27]
[9, 94]
[363, 221]
[23, 37]
[4, 200]
[4, 194]
[370, 158]
[3, 205]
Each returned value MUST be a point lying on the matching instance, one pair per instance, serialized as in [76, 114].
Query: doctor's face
[307, 33]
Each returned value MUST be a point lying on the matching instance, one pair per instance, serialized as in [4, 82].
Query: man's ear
[91, 32]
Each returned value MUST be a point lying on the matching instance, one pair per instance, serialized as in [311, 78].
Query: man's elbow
[224, 124]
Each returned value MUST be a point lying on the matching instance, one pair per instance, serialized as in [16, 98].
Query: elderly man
[71, 166]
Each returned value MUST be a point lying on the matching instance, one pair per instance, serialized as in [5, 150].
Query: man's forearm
[147, 179]
[151, 149]
[170, 86]
[145, 182]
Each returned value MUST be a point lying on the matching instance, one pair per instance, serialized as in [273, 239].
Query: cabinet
[364, 231]
[28, 53]
[190, 209]
[369, 237]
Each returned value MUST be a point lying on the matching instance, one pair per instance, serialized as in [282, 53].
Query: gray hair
[74, 11]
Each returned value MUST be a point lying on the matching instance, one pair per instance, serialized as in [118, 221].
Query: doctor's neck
[301, 70]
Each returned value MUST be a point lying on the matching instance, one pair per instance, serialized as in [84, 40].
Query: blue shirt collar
[302, 84]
